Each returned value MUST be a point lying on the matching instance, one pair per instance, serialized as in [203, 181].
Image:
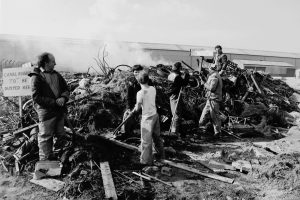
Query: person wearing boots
[50, 94]
[213, 86]
[177, 83]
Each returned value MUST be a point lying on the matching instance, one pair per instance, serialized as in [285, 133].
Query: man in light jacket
[214, 87]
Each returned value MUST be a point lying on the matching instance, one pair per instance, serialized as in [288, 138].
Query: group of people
[50, 94]
[179, 80]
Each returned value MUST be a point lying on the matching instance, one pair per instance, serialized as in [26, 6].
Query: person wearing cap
[178, 81]
[50, 93]
[132, 88]
[213, 86]
[220, 60]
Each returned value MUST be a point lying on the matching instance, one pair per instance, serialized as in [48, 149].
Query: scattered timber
[190, 169]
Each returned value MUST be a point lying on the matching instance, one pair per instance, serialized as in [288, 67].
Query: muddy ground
[272, 176]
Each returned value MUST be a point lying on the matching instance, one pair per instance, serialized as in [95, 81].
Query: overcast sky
[272, 25]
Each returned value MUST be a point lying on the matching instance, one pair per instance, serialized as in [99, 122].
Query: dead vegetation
[96, 108]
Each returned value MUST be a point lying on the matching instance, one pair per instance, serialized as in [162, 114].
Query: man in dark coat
[178, 82]
[50, 94]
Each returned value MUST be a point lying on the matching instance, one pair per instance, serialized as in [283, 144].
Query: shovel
[116, 130]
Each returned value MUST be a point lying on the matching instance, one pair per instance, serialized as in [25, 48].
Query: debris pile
[253, 102]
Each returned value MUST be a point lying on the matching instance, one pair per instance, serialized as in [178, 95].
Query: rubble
[256, 106]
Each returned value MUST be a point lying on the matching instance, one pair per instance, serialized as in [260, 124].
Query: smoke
[77, 55]
[70, 55]
[108, 21]
[130, 54]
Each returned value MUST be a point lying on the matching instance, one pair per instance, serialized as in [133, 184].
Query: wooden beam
[108, 183]
[190, 169]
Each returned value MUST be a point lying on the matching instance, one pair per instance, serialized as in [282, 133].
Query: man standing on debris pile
[178, 82]
[132, 88]
[50, 94]
[220, 60]
[214, 87]
[150, 127]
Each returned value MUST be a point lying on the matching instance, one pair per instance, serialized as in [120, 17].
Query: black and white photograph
[149, 100]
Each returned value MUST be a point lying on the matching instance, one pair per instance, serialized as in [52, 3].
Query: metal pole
[20, 109]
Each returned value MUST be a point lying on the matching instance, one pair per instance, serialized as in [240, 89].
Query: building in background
[276, 63]
[79, 54]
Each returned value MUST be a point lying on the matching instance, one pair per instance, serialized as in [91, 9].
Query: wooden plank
[108, 183]
[50, 184]
[190, 169]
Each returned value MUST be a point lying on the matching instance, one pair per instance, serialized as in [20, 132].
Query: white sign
[16, 81]
[27, 64]
[202, 52]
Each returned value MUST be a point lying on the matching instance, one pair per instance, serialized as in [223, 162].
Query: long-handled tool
[188, 65]
[128, 117]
